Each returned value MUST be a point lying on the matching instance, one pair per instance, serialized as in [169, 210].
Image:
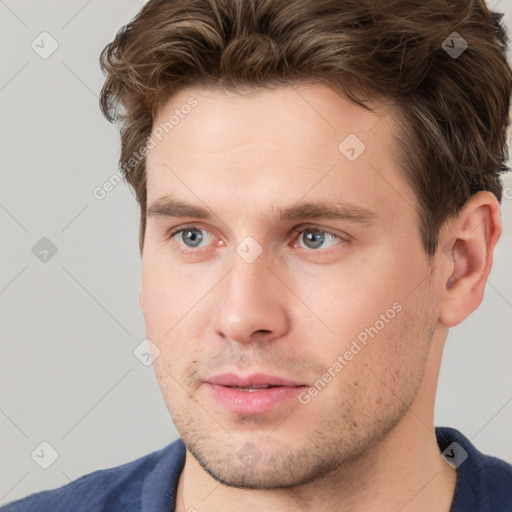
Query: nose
[252, 305]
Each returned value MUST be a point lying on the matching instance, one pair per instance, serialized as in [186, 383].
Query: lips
[253, 394]
[255, 381]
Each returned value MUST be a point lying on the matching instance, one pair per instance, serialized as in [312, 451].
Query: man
[319, 190]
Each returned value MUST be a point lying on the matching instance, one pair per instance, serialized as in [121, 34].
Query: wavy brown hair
[451, 113]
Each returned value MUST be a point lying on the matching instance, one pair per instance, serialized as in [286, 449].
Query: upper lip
[254, 380]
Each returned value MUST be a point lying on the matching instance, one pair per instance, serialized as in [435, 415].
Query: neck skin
[403, 472]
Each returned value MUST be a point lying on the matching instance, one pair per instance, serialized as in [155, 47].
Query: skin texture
[367, 438]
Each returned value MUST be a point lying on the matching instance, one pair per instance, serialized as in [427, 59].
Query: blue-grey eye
[316, 238]
[191, 237]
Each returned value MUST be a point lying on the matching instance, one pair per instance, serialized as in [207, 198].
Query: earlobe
[468, 246]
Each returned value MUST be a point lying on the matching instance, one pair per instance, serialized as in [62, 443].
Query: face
[283, 281]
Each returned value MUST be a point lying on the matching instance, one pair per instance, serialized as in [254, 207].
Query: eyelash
[344, 240]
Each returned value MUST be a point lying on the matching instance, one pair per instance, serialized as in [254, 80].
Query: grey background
[69, 325]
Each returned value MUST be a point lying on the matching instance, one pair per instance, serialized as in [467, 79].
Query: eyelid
[171, 233]
[189, 252]
[312, 227]
[178, 229]
[344, 239]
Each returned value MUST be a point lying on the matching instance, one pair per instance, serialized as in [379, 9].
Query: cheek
[380, 378]
[173, 304]
[168, 293]
[162, 309]
[175, 367]
[344, 300]
[375, 317]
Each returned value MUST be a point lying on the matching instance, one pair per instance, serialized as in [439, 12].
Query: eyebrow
[167, 207]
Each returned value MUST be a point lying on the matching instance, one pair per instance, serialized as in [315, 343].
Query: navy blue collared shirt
[148, 484]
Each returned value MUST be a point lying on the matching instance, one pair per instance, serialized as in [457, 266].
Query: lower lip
[253, 402]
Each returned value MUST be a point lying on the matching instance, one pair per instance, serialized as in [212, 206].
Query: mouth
[251, 389]
[254, 381]
[253, 394]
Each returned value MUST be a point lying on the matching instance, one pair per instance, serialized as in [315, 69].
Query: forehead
[274, 146]
[222, 120]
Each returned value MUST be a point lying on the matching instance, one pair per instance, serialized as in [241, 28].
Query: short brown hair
[452, 111]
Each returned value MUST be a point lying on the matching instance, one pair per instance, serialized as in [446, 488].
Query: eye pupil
[314, 238]
[194, 236]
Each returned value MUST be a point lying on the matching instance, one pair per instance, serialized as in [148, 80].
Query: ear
[467, 248]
